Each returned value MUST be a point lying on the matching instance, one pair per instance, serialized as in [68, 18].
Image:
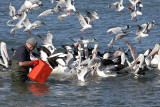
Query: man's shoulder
[22, 48]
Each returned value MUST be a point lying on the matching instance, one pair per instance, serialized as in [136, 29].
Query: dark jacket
[19, 73]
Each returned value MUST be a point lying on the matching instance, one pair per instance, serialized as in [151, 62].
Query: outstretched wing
[132, 49]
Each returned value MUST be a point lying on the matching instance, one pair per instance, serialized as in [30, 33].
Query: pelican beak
[154, 51]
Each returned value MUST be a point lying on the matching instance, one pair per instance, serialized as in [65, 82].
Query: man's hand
[35, 62]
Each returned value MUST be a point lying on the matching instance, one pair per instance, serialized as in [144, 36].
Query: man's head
[31, 43]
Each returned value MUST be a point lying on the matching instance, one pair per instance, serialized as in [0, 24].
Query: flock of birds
[78, 58]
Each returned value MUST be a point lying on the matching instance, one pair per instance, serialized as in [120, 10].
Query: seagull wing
[113, 5]
[26, 22]
[81, 19]
[49, 37]
[12, 11]
[22, 18]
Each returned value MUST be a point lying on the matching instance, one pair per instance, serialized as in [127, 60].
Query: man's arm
[28, 63]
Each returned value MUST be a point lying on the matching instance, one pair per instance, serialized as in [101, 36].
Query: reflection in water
[38, 89]
[19, 87]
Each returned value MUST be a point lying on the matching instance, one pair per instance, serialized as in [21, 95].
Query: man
[21, 61]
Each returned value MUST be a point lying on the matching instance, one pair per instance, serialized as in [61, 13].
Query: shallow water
[66, 90]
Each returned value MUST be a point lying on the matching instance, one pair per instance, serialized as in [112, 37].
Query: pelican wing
[154, 51]
[132, 49]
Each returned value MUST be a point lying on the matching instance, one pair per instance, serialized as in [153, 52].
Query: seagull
[19, 24]
[83, 22]
[119, 6]
[134, 13]
[116, 37]
[140, 5]
[118, 29]
[64, 13]
[25, 7]
[12, 13]
[36, 5]
[120, 36]
[149, 26]
[37, 24]
[29, 26]
[46, 12]
[60, 4]
[29, 5]
[134, 3]
[92, 16]
[70, 6]
[4, 59]
[140, 33]
[110, 45]
[86, 41]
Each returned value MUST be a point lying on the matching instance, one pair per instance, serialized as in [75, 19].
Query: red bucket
[40, 72]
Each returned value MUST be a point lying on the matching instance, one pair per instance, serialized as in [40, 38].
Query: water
[66, 90]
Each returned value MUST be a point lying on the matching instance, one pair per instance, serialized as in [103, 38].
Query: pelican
[4, 55]
[47, 48]
[141, 67]
[115, 68]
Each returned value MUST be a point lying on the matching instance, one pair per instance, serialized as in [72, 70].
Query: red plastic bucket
[40, 72]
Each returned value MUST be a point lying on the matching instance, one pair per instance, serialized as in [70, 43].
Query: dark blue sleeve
[20, 54]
